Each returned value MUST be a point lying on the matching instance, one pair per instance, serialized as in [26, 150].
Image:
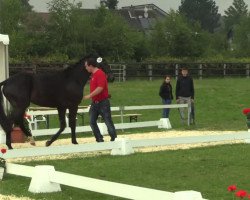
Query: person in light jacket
[185, 94]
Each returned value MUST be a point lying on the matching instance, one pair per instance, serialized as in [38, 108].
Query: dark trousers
[102, 108]
[165, 111]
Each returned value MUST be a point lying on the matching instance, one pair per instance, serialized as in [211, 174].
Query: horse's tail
[4, 122]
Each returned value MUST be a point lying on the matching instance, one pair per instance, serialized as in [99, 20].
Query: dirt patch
[12, 197]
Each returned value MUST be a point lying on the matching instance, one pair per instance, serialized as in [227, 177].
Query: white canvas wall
[4, 69]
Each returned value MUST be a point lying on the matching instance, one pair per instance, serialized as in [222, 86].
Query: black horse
[62, 90]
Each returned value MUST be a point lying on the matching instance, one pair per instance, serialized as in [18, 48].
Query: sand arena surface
[148, 135]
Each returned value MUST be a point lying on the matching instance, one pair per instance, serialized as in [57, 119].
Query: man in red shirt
[100, 103]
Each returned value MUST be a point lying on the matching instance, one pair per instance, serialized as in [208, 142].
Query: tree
[176, 37]
[112, 4]
[26, 5]
[242, 38]
[65, 28]
[203, 11]
[112, 36]
[11, 16]
[234, 13]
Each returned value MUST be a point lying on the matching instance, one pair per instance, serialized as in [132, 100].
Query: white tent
[4, 68]
[4, 61]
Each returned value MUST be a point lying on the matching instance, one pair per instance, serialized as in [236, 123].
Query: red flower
[241, 194]
[246, 111]
[3, 151]
[231, 188]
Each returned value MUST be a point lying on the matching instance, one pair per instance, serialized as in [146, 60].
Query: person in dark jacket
[166, 95]
[185, 94]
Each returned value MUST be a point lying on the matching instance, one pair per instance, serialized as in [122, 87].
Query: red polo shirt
[99, 79]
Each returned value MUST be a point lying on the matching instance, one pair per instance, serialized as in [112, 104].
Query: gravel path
[150, 135]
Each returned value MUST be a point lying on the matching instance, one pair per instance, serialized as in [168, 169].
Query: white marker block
[2, 136]
[40, 182]
[125, 148]
[188, 195]
[103, 128]
[164, 123]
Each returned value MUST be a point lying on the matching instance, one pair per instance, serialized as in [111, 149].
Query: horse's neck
[80, 76]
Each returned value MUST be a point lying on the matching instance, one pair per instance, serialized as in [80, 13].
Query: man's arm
[192, 89]
[177, 88]
[97, 91]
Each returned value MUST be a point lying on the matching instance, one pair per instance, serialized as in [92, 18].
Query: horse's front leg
[61, 114]
[72, 124]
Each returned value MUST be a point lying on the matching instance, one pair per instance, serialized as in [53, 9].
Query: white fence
[122, 125]
[123, 146]
[46, 179]
[119, 71]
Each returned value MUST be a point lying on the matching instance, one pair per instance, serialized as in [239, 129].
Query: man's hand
[86, 97]
[97, 91]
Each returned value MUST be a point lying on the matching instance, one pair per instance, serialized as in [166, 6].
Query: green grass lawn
[210, 170]
[218, 102]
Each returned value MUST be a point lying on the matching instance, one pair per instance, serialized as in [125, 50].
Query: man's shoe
[100, 140]
[112, 139]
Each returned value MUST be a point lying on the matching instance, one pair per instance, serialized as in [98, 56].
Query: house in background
[142, 17]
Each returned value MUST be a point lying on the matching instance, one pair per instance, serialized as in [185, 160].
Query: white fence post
[200, 71]
[150, 72]
[125, 148]
[164, 123]
[224, 70]
[176, 71]
[103, 128]
[124, 73]
[40, 182]
[247, 71]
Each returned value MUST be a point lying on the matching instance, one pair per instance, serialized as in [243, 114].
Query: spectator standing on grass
[166, 95]
[100, 99]
[185, 94]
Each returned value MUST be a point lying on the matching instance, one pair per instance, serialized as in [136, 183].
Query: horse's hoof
[31, 140]
[48, 143]
[10, 147]
[33, 143]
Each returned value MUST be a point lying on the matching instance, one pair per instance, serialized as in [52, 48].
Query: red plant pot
[17, 135]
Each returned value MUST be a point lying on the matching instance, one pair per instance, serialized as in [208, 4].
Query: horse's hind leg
[72, 124]
[61, 114]
[7, 127]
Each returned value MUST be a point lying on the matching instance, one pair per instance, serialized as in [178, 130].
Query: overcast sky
[166, 5]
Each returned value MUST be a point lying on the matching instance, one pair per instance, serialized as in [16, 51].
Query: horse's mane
[72, 66]
[81, 62]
